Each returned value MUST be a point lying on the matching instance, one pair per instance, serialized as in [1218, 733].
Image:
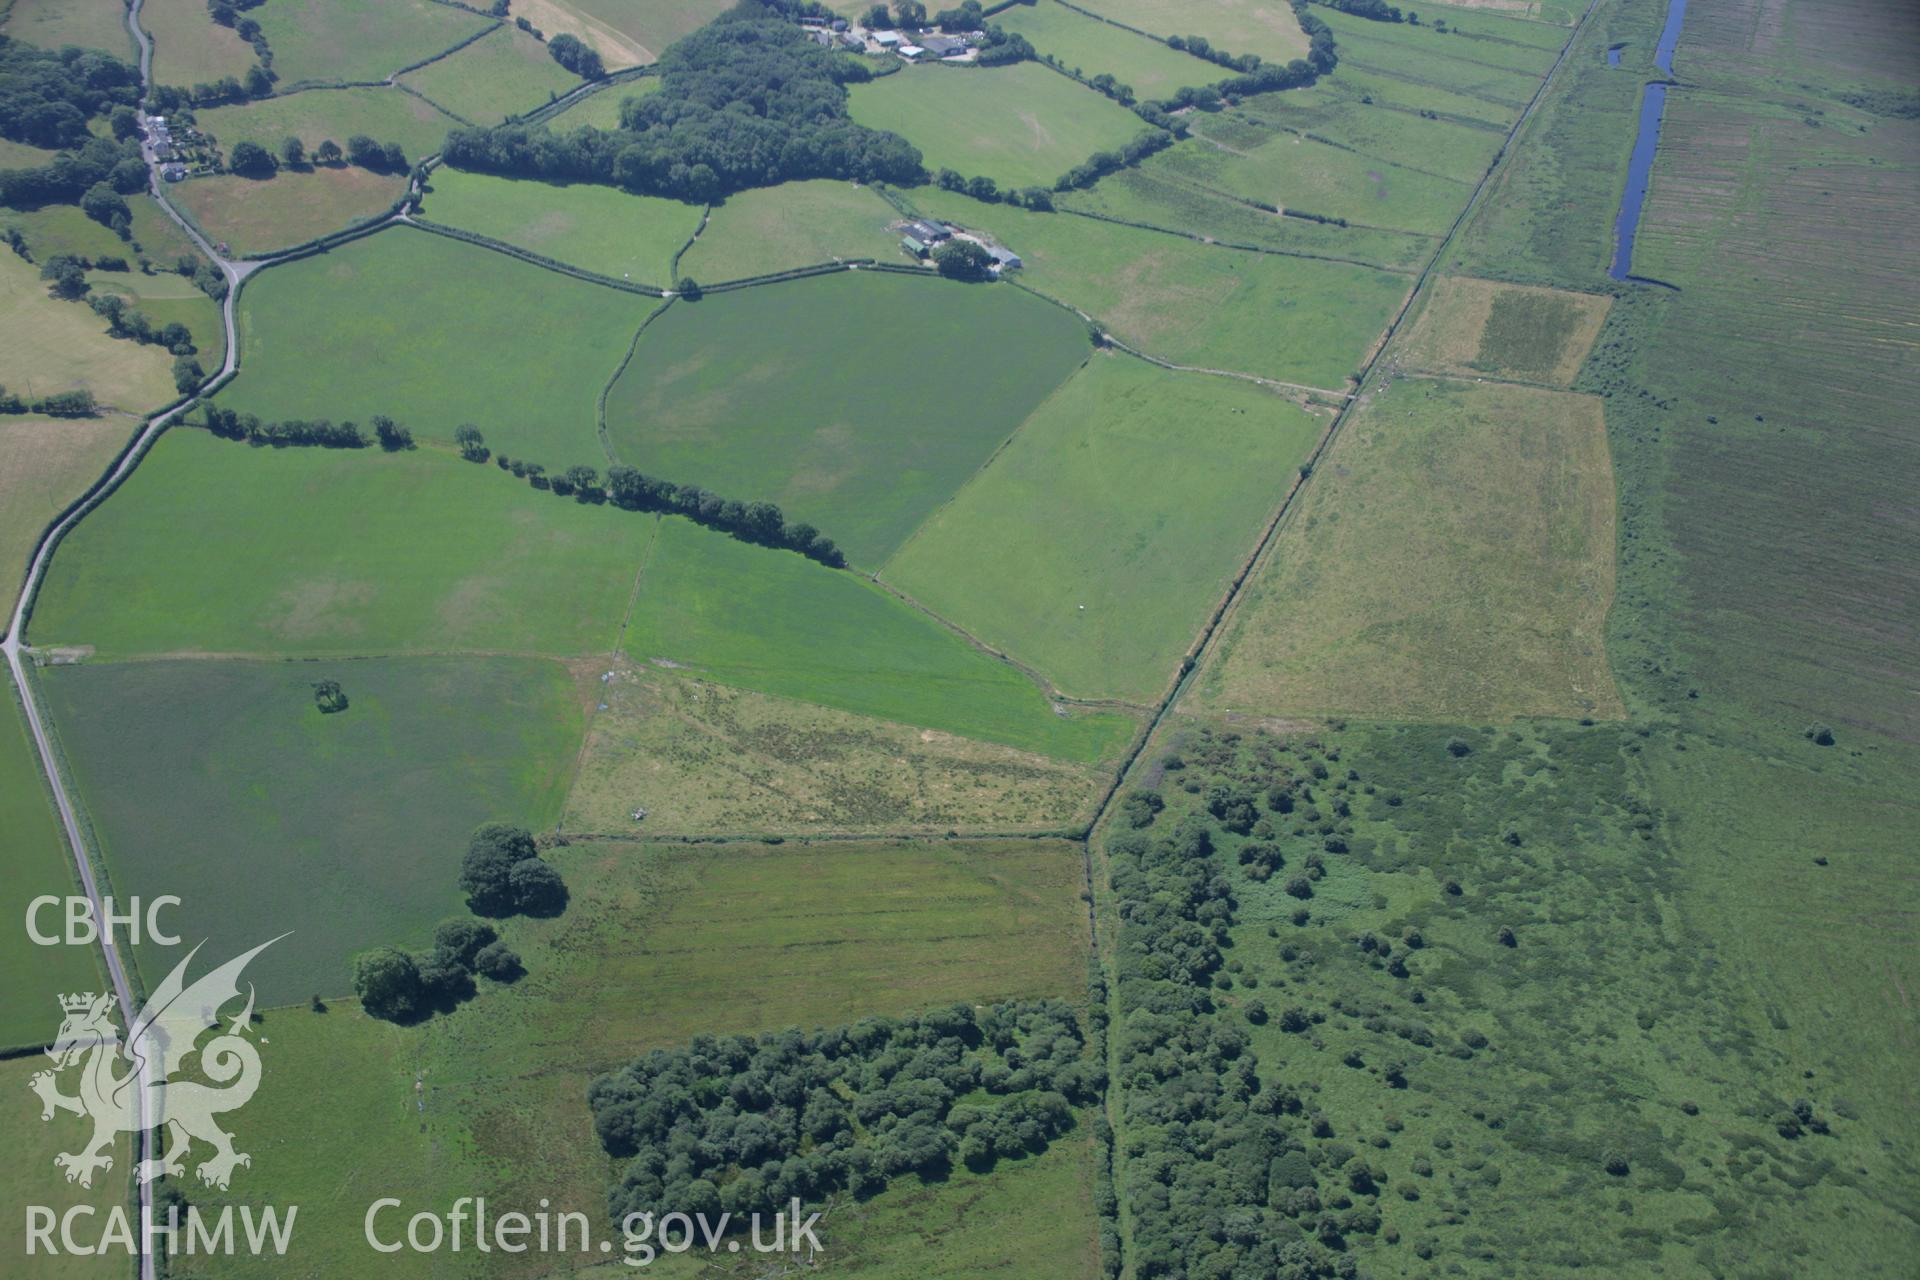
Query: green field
[257, 216]
[705, 758]
[502, 74]
[91, 24]
[62, 228]
[20, 155]
[796, 224]
[1093, 47]
[31, 1177]
[658, 944]
[780, 624]
[1468, 326]
[1456, 64]
[400, 323]
[222, 783]
[1022, 126]
[784, 394]
[189, 47]
[1449, 148]
[165, 298]
[1094, 545]
[1287, 318]
[217, 547]
[54, 346]
[358, 41]
[602, 229]
[601, 110]
[44, 465]
[1471, 38]
[1415, 95]
[1451, 560]
[38, 862]
[1238, 26]
[385, 114]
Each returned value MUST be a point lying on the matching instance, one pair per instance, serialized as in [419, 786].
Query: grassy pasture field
[158, 236]
[504, 73]
[1431, 66]
[1095, 47]
[1170, 204]
[658, 943]
[260, 215]
[1095, 543]
[1450, 148]
[216, 547]
[37, 862]
[400, 323]
[1297, 173]
[1522, 332]
[50, 24]
[388, 114]
[617, 50]
[651, 25]
[54, 345]
[189, 47]
[602, 110]
[44, 465]
[164, 298]
[1021, 125]
[357, 41]
[602, 229]
[1412, 96]
[1495, 22]
[1452, 558]
[62, 228]
[796, 224]
[31, 1177]
[775, 394]
[780, 624]
[1265, 27]
[1471, 39]
[1288, 318]
[223, 783]
[705, 758]
[20, 155]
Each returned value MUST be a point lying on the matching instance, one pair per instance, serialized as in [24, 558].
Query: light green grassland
[658, 944]
[37, 862]
[1449, 148]
[781, 624]
[412, 325]
[384, 114]
[361, 41]
[796, 224]
[1294, 319]
[189, 47]
[1094, 47]
[30, 1177]
[787, 393]
[1021, 125]
[1415, 96]
[50, 24]
[20, 155]
[54, 345]
[504, 73]
[159, 237]
[1489, 43]
[45, 464]
[1494, 22]
[223, 783]
[602, 229]
[1238, 26]
[602, 110]
[62, 228]
[1095, 543]
[260, 215]
[1438, 61]
[214, 546]
[165, 298]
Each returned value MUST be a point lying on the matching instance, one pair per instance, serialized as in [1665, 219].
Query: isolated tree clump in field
[576, 56]
[503, 874]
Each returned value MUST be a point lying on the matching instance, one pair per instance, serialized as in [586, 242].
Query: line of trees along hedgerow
[744, 1124]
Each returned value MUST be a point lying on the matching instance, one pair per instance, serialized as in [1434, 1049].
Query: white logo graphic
[113, 1079]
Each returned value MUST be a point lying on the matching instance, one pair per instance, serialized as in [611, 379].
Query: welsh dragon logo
[113, 1077]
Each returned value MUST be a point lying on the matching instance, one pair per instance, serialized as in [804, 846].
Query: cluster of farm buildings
[839, 33]
[921, 236]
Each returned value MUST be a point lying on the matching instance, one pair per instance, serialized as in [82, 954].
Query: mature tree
[485, 874]
[293, 152]
[463, 939]
[177, 338]
[66, 276]
[365, 152]
[877, 17]
[125, 123]
[498, 961]
[328, 152]
[537, 888]
[963, 260]
[392, 436]
[259, 79]
[910, 14]
[329, 697]
[388, 983]
[473, 446]
[251, 160]
[576, 56]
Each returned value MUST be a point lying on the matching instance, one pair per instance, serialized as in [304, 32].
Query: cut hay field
[1094, 48]
[62, 346]
[706, 758]
[254, 216]
[216, 547]
[1022, 125]
[44, 465]
[504, 73]
[358, 41]
[659, 943]
[36, 862]
[780, 624]
[1265, 27]
[801, 393]
[189, 47]
[29, 1176]
[223, 783]
[603, 229]
[386, 114]
[50, 24]
[1294, 319]
[404, 323]
[601, 110]
[651, 25]
[796, 224]
[1096, 542]
[1450, 559]
[1530, 334]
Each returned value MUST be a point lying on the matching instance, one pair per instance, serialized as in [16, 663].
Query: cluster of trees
[69, 176]
[745, 101]
[963, 260]
[984, 188]
[1375, 10]
[1101, 163]
[742, 1125]
[400, 987]
[125, 322]
[231, 425]
[62, 404]
[252, 160]
[48, 95]
[503, 874]
[227, 13]
[576, 56]
[205, 276]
